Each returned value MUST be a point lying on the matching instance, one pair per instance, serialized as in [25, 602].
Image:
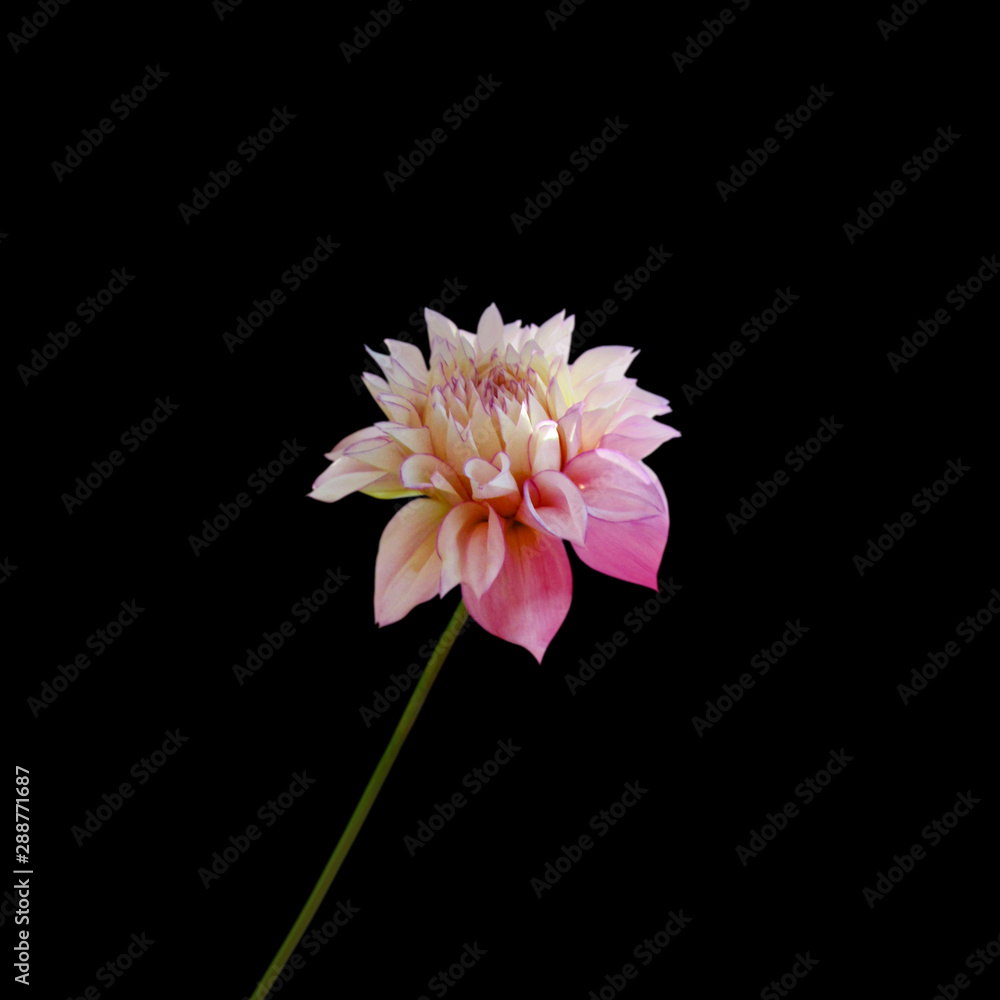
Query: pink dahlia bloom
[512, 451]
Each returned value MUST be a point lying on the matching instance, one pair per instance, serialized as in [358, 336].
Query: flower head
[512, 451]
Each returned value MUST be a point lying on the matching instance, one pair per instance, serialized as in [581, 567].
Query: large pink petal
[530, 597]
[615, 487]
[626, 550]
[407, 567]
[470, 544]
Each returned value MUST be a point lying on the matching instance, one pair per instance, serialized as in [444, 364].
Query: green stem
[364, 806]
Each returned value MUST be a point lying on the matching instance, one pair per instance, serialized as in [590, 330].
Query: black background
[653, 187]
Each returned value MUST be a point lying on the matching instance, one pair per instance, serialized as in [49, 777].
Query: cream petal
[407, 567]
[471, 546]
[571, 431]
[544, 447]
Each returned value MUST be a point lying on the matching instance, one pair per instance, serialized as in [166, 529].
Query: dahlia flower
[511, 451]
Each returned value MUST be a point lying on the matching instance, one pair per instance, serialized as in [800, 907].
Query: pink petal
[489, 333]
[640, 401]
[616, 488]
[398, 409]
[530, 597]
[365, 434]
[470, 544]
[600, 364]
[600, 408]
[409, 356]
[494, 482]
[554, 504]
[344, 476]
[551, 334]
[428, 472]
[415, 439]
[407, 567]
[440, 327]
[626, 550]
[638, 436]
